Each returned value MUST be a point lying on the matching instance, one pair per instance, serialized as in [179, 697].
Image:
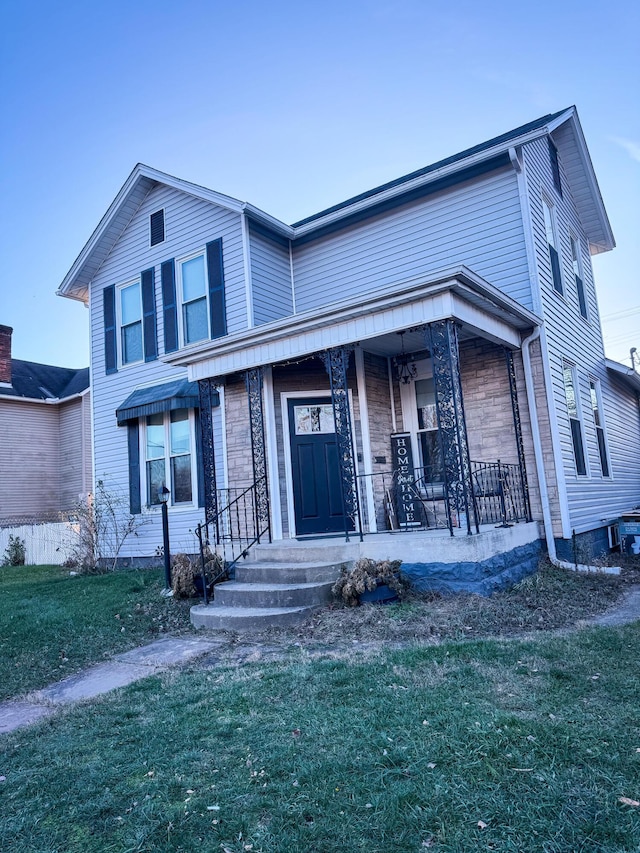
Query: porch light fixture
[406, 370]
[163, 495]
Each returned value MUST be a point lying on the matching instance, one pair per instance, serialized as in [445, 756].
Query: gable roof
[563, 125]
[44, 381]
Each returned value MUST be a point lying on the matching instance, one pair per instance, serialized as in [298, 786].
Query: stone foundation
[498, 572]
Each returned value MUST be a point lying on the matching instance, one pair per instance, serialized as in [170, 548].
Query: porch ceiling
[481, 309]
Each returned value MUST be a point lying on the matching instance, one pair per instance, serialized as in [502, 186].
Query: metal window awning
[179, 394]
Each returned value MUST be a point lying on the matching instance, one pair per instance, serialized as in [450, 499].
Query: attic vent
[156, 227]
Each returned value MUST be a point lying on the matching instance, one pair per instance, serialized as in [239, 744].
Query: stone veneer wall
[238, 434]
[498, 572]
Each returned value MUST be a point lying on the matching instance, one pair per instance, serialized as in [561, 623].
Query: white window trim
[424, 370]
[551, 207]
[119, 347]
[180, 302]
[573, 238]
[186, 505]
[603, 426]
[566, 362]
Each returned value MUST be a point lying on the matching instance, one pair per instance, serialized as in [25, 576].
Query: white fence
[50, 543]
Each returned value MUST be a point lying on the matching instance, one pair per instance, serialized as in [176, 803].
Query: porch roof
[459, 293]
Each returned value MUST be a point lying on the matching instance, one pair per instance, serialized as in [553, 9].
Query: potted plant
[377, 581]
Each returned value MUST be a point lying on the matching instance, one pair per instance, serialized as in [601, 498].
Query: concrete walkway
[138, 663]
[121, 670]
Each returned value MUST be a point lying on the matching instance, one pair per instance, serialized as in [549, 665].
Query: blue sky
[293, 107]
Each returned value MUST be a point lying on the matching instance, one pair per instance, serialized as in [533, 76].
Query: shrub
[15, 553]
[185, 569]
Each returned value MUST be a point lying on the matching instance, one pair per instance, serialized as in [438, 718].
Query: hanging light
[405, 368]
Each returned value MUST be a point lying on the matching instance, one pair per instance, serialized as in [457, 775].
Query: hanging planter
[377, 581]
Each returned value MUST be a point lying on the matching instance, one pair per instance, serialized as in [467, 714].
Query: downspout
[539, 457]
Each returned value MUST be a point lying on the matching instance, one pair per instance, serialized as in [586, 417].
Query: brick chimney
[5, 354]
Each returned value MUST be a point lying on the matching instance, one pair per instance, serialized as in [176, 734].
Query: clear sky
[292, 106]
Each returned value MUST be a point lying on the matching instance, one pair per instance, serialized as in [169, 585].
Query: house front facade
[418, 365]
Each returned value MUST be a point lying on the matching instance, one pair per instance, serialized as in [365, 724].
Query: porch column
[336, 361]
[517, 425]
[442, 342]
[207, 389]
[258, 450]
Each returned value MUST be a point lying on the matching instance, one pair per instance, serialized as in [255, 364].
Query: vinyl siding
[189, 224]
[29, 458]
[70, 453]
[270, 279]
[478, 224]
[570, 337]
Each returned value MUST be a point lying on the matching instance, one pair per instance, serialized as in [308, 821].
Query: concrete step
[312, 551]
[215, 617]
[239, 594]
[272, 572]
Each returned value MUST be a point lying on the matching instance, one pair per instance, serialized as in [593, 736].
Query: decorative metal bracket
[254, 384]
[442, 341]
[207, 388]
[336, 361]
[517, 425]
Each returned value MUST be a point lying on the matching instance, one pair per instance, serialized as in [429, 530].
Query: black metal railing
[419, 500]
[240, 522]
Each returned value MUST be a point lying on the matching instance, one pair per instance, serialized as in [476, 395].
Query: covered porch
[408, 423]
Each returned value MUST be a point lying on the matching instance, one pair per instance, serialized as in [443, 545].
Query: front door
[317, 497]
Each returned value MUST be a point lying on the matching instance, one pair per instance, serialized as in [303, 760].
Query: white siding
[569, 336]
[478, 224]
[189, 224]
[270, 279]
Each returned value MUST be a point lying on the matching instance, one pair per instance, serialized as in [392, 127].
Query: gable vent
[156, 226]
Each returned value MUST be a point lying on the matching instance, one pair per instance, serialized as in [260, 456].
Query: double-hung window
[131, 347]
[596, 408]
[193, 298]
[573, 410]
[577, 272]
[168, 456]
[552, 245]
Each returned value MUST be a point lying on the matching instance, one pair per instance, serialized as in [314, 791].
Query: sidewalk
[121, 670]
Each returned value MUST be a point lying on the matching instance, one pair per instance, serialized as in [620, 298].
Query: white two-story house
[418, 366]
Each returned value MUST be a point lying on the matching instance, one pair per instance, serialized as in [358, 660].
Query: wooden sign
[407, 504]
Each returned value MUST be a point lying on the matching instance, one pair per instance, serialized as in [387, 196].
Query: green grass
[413, 750]
[52, 624]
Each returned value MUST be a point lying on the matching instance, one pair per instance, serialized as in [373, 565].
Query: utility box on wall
[629, 527]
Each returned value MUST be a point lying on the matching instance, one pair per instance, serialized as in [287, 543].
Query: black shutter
[149, 314]
[555, 166]
[217, 310]
[170, 313]
[110, 349]
[156, 228]
[555, 269]
[199, 458]
[133, 443]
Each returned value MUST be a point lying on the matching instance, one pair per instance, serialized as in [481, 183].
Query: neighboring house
[45, 424]
[426, 355]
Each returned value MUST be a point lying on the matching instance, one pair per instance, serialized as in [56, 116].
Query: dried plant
[368, 574]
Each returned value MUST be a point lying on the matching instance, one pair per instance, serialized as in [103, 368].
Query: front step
[282, 587]
[238, 594]
[219, 618]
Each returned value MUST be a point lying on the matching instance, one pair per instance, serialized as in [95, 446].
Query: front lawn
[508, 746]
[53, 624]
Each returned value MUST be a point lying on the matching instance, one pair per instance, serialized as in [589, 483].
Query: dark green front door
[317, 497]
